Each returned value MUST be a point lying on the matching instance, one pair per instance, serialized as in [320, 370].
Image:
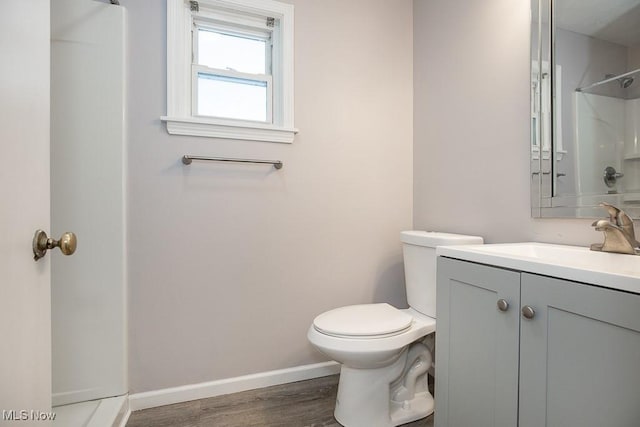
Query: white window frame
[181, 72]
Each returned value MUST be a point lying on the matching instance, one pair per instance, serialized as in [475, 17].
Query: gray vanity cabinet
[574, 362]
[476, 345]
[579, 355]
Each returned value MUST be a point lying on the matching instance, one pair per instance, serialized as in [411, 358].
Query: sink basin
[615, 271]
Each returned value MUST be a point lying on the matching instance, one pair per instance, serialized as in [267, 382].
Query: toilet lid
[364, 320]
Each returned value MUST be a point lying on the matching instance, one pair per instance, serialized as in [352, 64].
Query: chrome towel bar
[187, 159]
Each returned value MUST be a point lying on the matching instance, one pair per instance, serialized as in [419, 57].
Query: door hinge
[271, 22]
[195, 7]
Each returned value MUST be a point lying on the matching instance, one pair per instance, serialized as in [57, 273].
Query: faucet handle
[612, 211]
[619, 217]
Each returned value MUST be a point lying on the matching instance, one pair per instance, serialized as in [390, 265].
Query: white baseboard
[169, 396]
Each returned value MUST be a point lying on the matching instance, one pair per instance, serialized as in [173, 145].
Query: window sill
[228, 129]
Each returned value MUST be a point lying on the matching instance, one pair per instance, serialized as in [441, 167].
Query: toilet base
[364, 398]
[419, 407]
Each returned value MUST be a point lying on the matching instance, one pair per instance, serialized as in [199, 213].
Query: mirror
[585, 107]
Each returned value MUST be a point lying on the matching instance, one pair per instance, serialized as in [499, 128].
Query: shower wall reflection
[597, 138]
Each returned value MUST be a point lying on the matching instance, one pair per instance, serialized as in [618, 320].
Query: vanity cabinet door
[579, 355]
[476, 345]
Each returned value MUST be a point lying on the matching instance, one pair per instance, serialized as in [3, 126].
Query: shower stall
[89, 330]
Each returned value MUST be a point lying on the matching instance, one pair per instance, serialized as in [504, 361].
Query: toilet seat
[363, 321]
[372, 351]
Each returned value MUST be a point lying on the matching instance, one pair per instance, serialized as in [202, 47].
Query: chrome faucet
[619, 235]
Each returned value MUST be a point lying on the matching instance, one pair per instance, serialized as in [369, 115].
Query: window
[230, 69]
[231, 73]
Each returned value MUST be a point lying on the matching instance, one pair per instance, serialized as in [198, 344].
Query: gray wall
[229, 264]
[471, 124]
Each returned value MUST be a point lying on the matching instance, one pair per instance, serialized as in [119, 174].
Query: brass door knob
[67, 243]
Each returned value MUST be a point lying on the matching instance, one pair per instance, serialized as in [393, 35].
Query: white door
[25, 324]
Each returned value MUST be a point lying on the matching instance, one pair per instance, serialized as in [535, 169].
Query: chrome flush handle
[611, 176]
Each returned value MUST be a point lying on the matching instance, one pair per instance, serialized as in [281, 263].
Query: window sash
[232, 75]
[246, 20]
[226, 27]
[266, 36]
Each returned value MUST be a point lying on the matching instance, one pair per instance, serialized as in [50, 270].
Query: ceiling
[616, 21]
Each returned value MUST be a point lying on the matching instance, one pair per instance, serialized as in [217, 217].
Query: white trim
[222, 27]
[221, 18]
[557, 140]
[109, 411]
[169, 396]
[284, 58]
[179, 116]
[273, 8]
[125, 413]
[230, 129]
[178, 54]
[542, 112]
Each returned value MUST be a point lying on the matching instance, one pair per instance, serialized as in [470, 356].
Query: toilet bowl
[384, 354]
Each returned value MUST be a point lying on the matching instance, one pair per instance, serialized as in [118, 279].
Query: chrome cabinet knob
[528, 312]
[503, 305]
[67, 243]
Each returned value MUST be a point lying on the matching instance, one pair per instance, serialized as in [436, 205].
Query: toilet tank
[419, 251]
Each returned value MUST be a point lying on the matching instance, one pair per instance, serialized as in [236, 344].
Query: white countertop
[615, 271]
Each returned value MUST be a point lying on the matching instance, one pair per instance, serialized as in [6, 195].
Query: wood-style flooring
[300, 404]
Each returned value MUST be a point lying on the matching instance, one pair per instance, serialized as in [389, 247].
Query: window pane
[230, 52]
[234, 98]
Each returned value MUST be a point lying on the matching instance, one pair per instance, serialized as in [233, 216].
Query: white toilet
[384, 354]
